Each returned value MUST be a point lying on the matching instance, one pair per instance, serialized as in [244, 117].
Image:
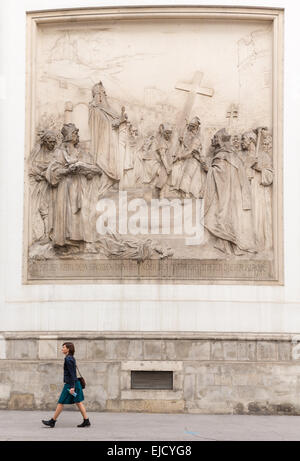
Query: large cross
[192, 89]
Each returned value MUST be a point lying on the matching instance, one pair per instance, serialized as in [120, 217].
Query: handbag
[81, 379]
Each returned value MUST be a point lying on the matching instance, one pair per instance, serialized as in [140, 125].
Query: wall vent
[152, 380]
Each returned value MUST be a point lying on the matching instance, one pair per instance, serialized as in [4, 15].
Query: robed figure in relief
[104, 124]
[68, 173]
[188, 175]
[262, 182]
[41, 157]
[259, 141]
[227, 200]
[162, 146]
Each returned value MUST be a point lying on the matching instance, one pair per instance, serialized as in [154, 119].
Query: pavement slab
[111, 426]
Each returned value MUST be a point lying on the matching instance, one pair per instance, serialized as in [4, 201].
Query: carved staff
[68, 112]
[258, 132]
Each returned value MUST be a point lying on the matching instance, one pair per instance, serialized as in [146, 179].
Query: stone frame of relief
[154, 146]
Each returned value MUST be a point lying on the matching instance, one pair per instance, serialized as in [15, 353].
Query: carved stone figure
[163, 144]
[67, 173]
[256, 152]
[40, 158]
[123, 141]
[262, 194]
[115, 246]
[248, 144]
[104, 123]
[236, 143]
[188, 176]
[149, 161]
[130, 169]
[227, 200]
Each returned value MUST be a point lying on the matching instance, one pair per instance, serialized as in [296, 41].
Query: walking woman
[72, 390]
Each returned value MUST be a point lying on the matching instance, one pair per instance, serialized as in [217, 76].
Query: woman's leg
[82, 410]
[58, 411]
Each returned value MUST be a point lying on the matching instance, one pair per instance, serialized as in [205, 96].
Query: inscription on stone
[171, 270]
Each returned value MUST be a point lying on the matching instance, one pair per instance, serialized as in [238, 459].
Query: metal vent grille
[152, 380]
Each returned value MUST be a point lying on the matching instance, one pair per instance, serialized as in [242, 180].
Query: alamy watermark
[153, 217]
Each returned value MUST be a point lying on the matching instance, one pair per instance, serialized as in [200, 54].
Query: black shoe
[50, 423]
[85, 423]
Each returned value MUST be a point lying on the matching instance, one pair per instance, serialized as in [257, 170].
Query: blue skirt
[67, 399]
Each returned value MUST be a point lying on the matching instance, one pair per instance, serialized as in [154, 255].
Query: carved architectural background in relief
[125, 123]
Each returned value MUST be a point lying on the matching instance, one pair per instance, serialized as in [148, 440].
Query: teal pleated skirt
[68, 399]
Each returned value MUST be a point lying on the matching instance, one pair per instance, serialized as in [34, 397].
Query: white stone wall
[222, 308]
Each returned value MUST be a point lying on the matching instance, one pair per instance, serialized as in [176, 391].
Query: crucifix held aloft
[193, 89]
[232, 115]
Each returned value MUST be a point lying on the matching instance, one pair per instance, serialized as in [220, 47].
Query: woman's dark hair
[70, 347]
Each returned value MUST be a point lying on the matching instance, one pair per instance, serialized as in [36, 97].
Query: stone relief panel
[153, 157]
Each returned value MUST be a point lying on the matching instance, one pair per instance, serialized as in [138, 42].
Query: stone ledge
[184, 362]
[150, 365]
[188, 335]
[158, 351]
[150, 394]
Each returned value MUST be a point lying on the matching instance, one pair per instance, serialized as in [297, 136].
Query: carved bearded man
[236, 143]
[188, 176]
[227, 200]
[67, 174]
[248, 153]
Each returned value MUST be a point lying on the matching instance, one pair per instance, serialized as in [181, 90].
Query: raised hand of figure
[253, 162]
[257, 165]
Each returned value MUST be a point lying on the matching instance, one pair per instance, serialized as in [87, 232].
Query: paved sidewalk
[27, 425]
